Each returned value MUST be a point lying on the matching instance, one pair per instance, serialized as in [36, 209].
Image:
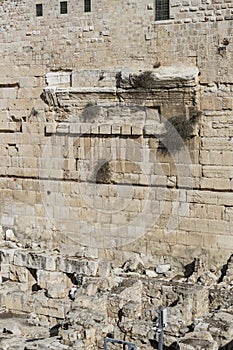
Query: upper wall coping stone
[161, 74]
[82, 89]
[176, 72]
[164, 73]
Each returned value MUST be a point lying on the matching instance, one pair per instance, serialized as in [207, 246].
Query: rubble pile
[50, 301]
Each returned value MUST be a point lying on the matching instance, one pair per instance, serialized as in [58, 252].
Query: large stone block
[55, 283]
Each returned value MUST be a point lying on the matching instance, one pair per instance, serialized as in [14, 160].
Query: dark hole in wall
[87, 5]
[162, 10]
[54, 331]
[35, 286]
[63, 7]
[39, 10]
[189, 269]
[33, 272]
[173, 346]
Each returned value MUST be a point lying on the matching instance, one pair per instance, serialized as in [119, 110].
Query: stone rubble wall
[119, 302]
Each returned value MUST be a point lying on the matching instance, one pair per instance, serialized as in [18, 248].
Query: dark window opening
[39, 10]
[63, 7]
[87, 5]
[162, 10]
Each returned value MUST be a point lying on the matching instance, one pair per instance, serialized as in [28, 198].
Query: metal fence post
[105, 344]
[160, 328]
[162, 323]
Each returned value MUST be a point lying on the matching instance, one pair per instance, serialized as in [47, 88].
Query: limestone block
[95, 129]
[43, 305]
[202, 339]
[55, 283]
[18, 274]
[137, 130]
[105, 129]
[190, 238]
[28, 259]
[116, 129]
[171, 181]
[155, 129]
[85, 128]
[63, 128]
[225, 241]
[10, 236]
[51, 128]
[90, 78]
[7, 255]
[163, 268]
[75, 128]
[216, 183]
[126, 129]
[163, 75]
[8, 93]
[104, 269]
[217, 144]
[227, 103]
[222, 172]
[14, 301]
[59, 79]
[211, 103]
[79, 266]
[50, 264]
[90, 335]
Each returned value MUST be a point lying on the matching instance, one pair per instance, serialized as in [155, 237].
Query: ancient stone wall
[116, 171]
[60, 100]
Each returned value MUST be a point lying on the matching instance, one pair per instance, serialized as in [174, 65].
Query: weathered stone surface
[100, 91]
[134, 264]
[120, 303]
[200, 340]
[55, 283]
[163, 268]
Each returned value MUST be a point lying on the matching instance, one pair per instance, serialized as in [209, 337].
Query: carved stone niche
[108, 95]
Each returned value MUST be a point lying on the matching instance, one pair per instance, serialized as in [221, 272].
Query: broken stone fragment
[163, 268]
[134, 264]
[151, 273]
[169, 76]
[200, 340]
[10, 236]
[55, 283]
[18, 274]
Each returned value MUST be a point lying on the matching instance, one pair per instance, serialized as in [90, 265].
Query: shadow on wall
[154, 345]
[228, 346]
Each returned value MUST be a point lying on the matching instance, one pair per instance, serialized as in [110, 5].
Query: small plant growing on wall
[180, 129]
[103, 173]
[90, 111]
[144, 80]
